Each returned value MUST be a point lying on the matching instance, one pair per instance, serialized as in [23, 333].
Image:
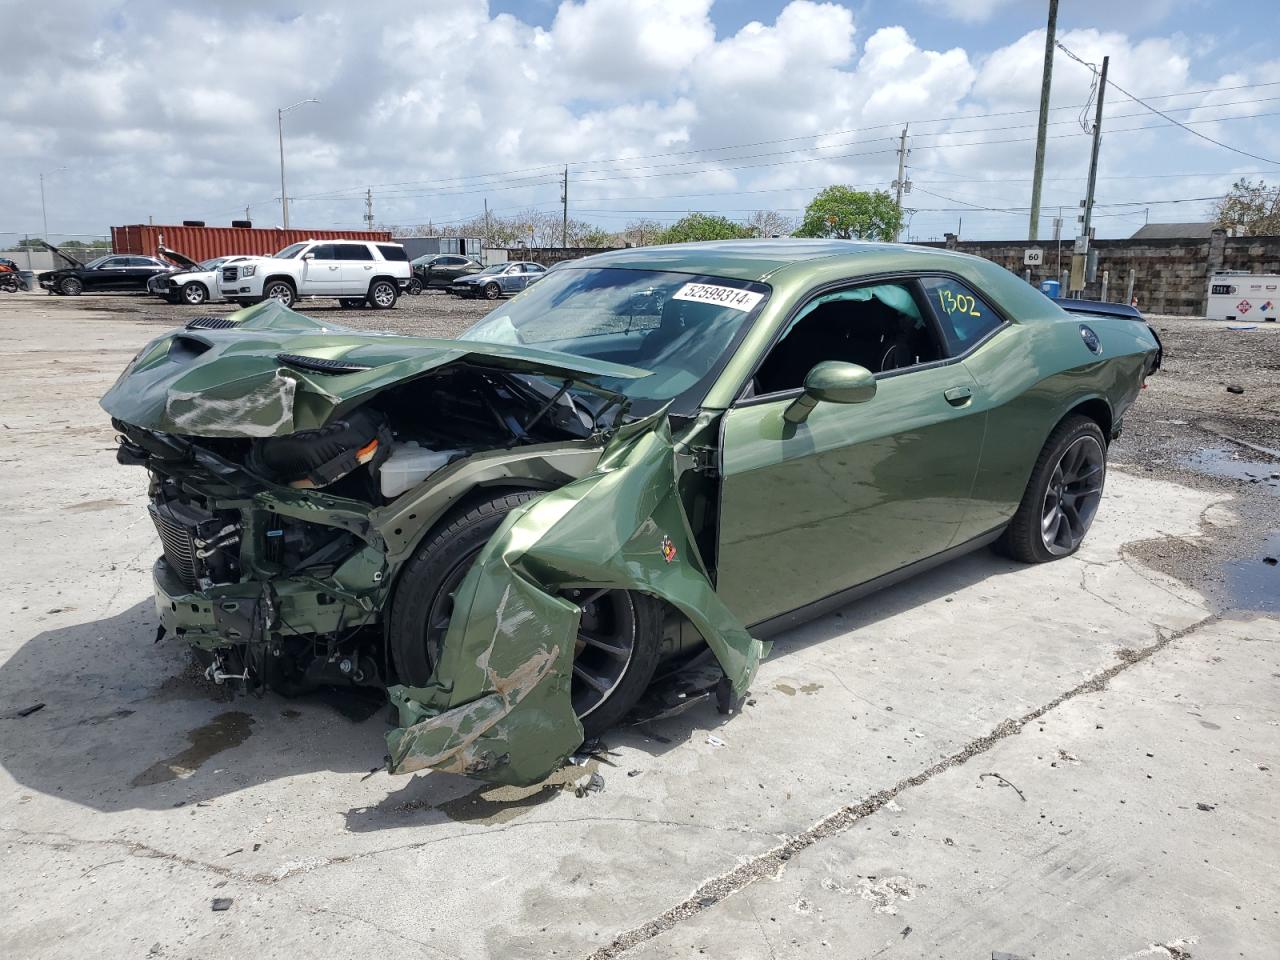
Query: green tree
[702, 226]
[1253, 209]
[848, 214]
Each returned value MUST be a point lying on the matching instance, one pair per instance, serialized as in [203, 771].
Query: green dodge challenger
[651, 458]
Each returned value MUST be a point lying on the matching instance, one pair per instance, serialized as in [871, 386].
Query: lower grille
[179, 548]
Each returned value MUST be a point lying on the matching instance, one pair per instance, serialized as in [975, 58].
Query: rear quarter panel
[1033, 374]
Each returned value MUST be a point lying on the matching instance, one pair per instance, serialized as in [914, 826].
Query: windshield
[98, 261]
[681, 328]
[496, 268]
[212, 264]
[291, 251]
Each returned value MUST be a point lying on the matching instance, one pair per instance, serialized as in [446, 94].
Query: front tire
[382, 294]
[71, 287]
[620, 631]
[1062, 495]
[194, 294]
[492, 291]
[280, 290]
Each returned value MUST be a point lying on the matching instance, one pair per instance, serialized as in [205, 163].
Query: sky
[166, 111]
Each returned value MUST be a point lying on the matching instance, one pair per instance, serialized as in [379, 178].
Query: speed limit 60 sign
[1033, 257]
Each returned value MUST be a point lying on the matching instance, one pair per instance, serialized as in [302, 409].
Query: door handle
[958, 396]
[368, 266]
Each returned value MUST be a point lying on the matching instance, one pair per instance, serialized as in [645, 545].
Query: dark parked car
[123, 271]
[440, 270]
[501, 279]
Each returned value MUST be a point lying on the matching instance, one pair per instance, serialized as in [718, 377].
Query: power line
[1161, 113]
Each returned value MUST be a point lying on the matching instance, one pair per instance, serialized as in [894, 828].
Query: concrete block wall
[1170, 276]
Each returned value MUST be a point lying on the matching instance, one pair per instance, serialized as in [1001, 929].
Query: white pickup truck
[355, 272]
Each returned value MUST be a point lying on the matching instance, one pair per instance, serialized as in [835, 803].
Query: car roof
[744, 259]
[1097, 306]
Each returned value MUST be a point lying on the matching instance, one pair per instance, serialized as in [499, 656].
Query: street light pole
[284, 197]
[44, 217]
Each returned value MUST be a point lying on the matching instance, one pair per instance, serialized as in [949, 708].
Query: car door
[357, 268]
[321, 272]
[142, 269]
[858, 490]
[111, 274]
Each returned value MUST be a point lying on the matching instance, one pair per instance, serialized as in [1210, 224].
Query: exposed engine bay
[374, 455]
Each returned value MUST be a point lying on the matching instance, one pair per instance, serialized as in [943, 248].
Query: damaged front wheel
[619, 633]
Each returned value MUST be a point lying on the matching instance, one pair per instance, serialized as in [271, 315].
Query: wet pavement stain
[223, 732]
[1253, 583]
[1221, 462]
[809, 688]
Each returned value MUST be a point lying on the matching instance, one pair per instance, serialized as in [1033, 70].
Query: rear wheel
[619, 633]
[194, 294]
[382, 294]
[71, 287]
[414, 288]
[281, 290]
[1062, 496]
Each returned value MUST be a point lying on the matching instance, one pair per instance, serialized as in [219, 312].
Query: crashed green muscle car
[652, 458]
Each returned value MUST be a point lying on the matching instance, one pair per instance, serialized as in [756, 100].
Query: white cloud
[168, 108]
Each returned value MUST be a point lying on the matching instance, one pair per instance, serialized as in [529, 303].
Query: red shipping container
[205, 243]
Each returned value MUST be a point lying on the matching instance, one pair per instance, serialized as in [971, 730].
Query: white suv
[356, 272]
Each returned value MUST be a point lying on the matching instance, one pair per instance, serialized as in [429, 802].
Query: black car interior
[881, 328]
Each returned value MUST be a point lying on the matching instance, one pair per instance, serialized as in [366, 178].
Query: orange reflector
[365, 454]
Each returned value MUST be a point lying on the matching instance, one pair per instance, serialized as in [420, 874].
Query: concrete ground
[1071, 760]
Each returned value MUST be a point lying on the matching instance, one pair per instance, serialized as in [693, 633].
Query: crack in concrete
[771, 863]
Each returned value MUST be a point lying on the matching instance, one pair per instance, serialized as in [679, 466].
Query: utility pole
[44, 217]
[284, 197]
[485, 242]
[902, 184]
[1079, 258]
[564, 200]
[246, 212]
[1046, 81]
[368, 208]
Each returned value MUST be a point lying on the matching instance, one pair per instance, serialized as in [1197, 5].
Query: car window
[450, 261]
[534, 268]
[881, 327]
[149, 262]
[323, 251]
[965, 318]
[392, 252]
[352, 251]
[291, 251]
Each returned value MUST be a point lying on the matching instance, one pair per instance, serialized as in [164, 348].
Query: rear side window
[965, 317]
[352, 251]
[390, 252]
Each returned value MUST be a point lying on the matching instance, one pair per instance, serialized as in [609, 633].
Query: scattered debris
[1235, 388]
[906, 932]
[234, 852]
[715, 741]
[221, 903]
[24, 712]
[884, 893]
[948, 841]
[1001, 955]
[633, 773]
[1270, 561]
[1005, 783]
[591, 784]
[1206, 807]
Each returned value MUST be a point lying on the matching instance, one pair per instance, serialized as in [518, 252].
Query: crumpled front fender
[499, 705]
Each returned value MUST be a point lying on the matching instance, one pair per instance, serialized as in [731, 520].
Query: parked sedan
[439, 271]
[195, 286]
[501, 279]
[655, 456]
[114, 272]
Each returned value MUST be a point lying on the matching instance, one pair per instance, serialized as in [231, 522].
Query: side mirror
[308, 256]
[831, 381]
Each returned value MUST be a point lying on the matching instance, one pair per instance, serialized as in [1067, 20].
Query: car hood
[185, 263]
[71, 261]
[271, 371]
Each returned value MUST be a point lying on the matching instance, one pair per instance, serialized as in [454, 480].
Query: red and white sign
[1244, 306]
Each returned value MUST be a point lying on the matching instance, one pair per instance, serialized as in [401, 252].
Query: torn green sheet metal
[238, 382]
[501, 709]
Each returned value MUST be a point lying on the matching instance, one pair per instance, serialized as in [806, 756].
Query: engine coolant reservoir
[410, 464]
